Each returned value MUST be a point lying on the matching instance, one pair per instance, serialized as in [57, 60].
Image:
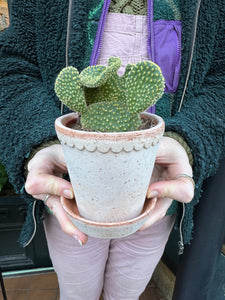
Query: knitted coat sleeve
[27, 109]
[201, 121]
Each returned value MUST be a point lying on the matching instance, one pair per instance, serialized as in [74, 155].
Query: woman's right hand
[45, 172]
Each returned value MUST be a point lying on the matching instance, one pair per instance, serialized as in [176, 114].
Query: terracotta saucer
[105, 230]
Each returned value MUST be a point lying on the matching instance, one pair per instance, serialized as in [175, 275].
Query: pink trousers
[121, 268]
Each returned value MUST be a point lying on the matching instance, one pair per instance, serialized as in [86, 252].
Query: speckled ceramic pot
[109, 172]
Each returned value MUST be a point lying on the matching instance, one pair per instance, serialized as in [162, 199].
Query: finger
[48, 160]
[158, 213]
[173, 158]
[67, 226]
[180, 189]
[48, 184]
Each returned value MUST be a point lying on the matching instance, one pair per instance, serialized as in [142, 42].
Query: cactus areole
[108, 102]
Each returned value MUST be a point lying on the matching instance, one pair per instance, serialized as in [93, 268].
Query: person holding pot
[185, 39]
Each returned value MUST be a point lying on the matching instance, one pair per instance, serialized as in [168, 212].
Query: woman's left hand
[166, 184]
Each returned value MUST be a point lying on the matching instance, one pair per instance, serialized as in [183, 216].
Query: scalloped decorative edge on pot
[109, 141]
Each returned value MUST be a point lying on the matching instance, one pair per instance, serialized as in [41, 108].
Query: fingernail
[152, 194]
[68, 194]
[77, 239]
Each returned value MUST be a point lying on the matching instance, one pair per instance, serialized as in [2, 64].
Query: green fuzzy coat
[32, 52]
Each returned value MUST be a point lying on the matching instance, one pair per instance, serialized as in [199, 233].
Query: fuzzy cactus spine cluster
[108, 102]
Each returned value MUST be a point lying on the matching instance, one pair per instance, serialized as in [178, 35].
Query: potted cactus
[109, 155]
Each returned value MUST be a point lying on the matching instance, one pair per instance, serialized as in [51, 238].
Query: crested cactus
[107, 102]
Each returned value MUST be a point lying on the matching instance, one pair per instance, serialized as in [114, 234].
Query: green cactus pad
[106, 101]
[95, 76]
[114, 62]
[127, 70]
[69, 90]
[112, 90]
[144, 85]
[110, 117]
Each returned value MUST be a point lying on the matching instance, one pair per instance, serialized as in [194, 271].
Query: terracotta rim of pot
[64, 123]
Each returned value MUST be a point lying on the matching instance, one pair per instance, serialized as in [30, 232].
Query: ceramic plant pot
[109, 172]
